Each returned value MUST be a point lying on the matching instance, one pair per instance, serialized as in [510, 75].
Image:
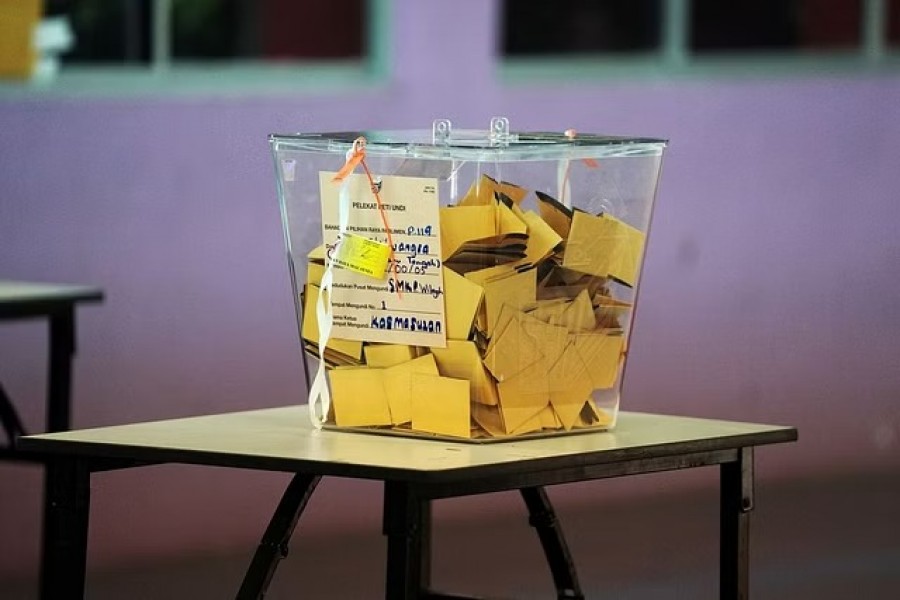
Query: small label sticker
[363, 255]
[288, 165]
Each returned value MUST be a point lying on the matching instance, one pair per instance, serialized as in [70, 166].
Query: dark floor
[823, 540]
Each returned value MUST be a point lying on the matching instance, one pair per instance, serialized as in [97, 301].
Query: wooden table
[55, 302]
[414, 472]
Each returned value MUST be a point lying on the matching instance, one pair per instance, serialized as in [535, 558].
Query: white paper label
[372, 310]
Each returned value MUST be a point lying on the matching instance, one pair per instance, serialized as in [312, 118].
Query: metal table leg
[11, 423]
[65, 529]
[407, 525]
[59, 372]
[274, 544]
[59, 475]
[543, 518]
[736, 502]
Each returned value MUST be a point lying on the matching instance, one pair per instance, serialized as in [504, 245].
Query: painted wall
[770, 288]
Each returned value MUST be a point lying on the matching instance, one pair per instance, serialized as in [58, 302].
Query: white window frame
[166, 76]
[674, 58]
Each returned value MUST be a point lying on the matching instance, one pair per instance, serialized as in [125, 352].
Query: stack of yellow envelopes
[537, 305]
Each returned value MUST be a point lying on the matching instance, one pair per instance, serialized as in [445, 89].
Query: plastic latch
[499, 131]
[440, 131]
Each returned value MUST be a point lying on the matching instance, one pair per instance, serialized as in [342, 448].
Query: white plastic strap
[563, 185]
[563, 193]
[319, 395]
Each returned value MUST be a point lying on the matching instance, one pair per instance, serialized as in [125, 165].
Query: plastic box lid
[497, 144]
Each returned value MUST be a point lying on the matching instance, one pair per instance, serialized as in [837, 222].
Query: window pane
[106, 31]
[270, 29]
[893, 25]
[577, 26]
[775, 24]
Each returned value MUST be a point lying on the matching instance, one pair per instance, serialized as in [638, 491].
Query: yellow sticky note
[398, 386]
[362, 255]
[461, 301]
[601, 352]
[441, 405]
[388, 355]
[358, 397]
[604, 246]
[310, 328]
[461, 360]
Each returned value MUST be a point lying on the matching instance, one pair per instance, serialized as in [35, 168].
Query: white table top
[17, 295]
[282, 439]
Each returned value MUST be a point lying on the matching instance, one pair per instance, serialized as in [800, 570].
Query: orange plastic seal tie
[359, 158]
[387, 228]
[589, 162]
[359, 154]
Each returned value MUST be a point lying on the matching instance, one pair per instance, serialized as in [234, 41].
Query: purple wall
[770, 291]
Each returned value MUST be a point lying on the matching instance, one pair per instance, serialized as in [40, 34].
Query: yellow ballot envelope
[605, 246]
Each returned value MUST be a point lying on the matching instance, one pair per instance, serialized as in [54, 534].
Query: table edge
[100, 452]
[42, 304]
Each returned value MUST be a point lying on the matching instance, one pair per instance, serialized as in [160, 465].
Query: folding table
[414, 471]
[21, 300]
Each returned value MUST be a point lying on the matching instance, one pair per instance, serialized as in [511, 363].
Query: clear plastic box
[475, 285]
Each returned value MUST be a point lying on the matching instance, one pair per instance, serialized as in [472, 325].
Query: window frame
[674, 58]
[166, 76]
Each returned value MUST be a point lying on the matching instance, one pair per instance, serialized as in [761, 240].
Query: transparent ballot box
[474, 285]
